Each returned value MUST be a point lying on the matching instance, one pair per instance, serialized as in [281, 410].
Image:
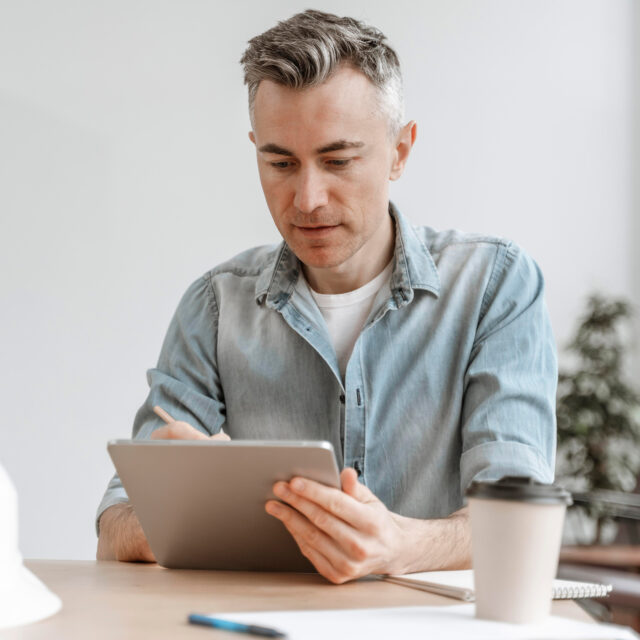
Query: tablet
[201, 503]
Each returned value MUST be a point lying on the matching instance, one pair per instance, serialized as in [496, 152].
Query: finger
[348, 480]
[178, 431]
[220, 436]
[354, 488]
[332, 500]
[326, 557]
[322, 565]
[336, 528]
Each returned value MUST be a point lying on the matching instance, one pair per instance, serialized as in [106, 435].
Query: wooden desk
[120, 601]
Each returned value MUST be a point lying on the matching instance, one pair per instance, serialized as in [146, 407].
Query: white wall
[126, 172]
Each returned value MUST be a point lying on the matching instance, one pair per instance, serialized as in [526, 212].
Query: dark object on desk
[623, 604]
[201, 502]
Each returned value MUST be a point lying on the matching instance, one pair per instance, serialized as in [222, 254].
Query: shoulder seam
[211, 299]
[236, 271]
[498, 265]
[499, 242]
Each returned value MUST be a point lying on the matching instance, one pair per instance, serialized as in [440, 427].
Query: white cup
[516, 531]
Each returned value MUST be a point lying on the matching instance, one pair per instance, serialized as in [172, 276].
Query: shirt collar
[414, 266]
[414, 269]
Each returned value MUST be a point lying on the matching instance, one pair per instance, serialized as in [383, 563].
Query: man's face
[325, 158]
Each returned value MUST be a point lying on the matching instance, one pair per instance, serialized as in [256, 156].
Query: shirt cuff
[111, 497]
[491, 461]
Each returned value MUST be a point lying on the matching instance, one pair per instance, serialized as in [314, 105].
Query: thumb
[355, 489]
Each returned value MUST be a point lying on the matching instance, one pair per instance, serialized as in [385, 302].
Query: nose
[311, 190]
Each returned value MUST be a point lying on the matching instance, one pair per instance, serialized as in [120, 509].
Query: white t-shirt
[346, 313]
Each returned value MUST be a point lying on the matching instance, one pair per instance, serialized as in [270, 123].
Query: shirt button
[342, 398]
[357, 467]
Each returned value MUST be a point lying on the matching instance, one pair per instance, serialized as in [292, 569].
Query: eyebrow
[274, 148]
[338, 145]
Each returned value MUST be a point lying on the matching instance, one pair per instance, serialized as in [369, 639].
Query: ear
[404, 142]
[252, 137]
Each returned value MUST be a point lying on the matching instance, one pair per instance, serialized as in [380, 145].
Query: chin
[319, 258]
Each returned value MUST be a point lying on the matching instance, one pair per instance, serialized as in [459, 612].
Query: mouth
[316, 230]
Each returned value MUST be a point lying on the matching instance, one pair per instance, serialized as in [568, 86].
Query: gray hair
[306, 49]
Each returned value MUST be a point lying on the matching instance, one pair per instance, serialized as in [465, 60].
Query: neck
[362, 267]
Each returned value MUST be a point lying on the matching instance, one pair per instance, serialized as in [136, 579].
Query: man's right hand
[184, 431]
[121, 535]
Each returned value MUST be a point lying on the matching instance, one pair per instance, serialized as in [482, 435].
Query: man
[426, 358]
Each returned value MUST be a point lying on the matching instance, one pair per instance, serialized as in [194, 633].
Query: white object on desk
[460, 585]
[23, 598]
[451, 623]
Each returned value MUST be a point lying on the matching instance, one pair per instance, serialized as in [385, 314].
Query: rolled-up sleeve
[508, 415]
[185, 382]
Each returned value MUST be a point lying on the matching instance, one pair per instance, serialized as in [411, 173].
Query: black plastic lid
[522, 489]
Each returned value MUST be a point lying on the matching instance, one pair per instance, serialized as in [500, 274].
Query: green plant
[598, 412]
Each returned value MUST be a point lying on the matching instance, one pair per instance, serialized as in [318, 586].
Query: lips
[316, 232]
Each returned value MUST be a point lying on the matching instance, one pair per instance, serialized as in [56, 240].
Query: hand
[345, 534]
[184, 431]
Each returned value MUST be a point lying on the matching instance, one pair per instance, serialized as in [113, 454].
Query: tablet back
[201, 503]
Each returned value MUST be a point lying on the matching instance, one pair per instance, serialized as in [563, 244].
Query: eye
[282, 164]
[339, 162]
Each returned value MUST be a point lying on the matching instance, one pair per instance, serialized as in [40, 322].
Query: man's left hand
[345, 534]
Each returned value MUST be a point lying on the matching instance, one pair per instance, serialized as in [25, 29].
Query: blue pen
[252, 629]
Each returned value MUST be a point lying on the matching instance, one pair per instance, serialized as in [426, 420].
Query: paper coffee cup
[516, 531]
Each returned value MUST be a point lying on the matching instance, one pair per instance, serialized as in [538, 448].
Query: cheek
[273, 188]
[278, 196]
[372, 186]
[264, 180]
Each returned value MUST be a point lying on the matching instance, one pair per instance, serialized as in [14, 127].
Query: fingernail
[297, 484]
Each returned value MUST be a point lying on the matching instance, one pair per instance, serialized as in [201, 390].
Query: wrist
[121, 536]
[433, 545]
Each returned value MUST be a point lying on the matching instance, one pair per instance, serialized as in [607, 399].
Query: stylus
[161, 413]
[252, 629]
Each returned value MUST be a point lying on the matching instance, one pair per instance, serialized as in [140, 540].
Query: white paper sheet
[405, 623]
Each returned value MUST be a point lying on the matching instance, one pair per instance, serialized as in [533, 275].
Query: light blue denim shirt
[453, 377]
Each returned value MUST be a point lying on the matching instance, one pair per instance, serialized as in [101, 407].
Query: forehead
[343, 106]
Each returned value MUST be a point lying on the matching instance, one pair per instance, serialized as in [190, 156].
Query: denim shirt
[452, 378]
